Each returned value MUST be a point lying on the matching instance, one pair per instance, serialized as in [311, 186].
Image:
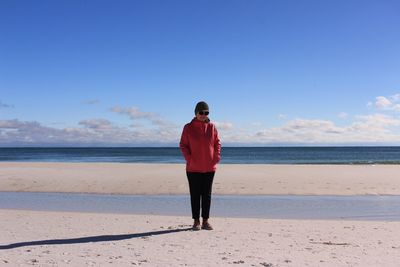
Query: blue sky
[130, 72]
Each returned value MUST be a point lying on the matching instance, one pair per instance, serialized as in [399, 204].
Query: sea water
[230, 155]
[272, 207]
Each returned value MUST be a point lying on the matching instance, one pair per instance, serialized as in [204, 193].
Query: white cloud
[374, 123]
[96, 124]
[366, 129]
[396, 107]
[300, 131]
[15, 131]
[135, 114]
[383, 102]
[223, 126]
[378, 128]
[343, 115]
[388, 103]
[92, 132]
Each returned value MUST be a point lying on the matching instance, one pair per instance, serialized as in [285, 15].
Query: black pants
[200, 185]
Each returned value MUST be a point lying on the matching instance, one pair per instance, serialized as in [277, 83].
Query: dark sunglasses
[204, 113]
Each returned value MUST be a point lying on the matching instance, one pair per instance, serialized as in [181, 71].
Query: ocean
[230, 155]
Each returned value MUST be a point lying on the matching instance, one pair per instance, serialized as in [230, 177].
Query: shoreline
[371, 208]
[170, 179]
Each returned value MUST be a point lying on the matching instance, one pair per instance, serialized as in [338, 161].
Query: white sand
[234, 242]
[123, 178]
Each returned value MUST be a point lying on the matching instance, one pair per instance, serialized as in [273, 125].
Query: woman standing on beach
[200, 145]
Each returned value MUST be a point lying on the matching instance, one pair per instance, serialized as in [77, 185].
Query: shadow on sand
[90, 239]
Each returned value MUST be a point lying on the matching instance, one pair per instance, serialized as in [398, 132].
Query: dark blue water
[230, 155]
[385, 208]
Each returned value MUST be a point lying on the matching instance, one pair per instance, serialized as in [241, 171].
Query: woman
[200, 145]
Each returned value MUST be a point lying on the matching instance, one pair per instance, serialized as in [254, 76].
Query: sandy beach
[236, 179]
[44, 238]
[86, 239]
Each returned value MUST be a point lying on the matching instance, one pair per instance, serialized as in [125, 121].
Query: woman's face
[202, 115]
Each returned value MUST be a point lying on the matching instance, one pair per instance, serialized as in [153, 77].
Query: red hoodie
[200, 145]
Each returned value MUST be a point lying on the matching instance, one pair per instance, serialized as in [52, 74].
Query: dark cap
[201, 106]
